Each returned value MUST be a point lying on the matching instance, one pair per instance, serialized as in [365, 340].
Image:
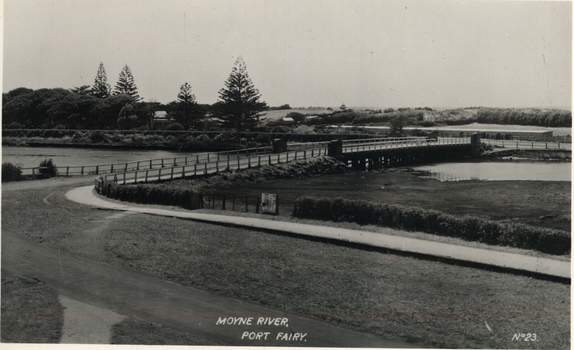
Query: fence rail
[212, 167]
[539, 145]
[157, 163]
[410, 142]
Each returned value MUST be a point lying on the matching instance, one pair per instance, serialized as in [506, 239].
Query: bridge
[364, 154]
[372, 154]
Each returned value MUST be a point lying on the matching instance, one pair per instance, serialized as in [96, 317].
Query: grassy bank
[31, 311]
[396, 297]
[131, 332]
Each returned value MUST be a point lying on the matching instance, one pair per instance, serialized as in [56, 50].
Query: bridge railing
[411, 142]
[539, 145]
[212, 167]
[156, 163]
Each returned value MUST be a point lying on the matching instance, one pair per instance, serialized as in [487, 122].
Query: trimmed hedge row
[408, 218]
[149, 194]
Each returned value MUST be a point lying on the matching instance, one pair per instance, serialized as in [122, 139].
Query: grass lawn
[396, 297]
[519, 201]
[31, 311]
[147, 333]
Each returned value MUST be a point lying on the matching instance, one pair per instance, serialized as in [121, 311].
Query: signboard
[268, 203]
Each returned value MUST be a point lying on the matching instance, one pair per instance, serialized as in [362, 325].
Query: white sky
[301, 52]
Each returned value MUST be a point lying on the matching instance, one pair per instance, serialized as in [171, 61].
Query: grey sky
[301, 52]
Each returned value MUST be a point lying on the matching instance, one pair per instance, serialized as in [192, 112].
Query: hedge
[149, 194]
[409, 218]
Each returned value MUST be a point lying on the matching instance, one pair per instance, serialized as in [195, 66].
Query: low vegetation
[411, 218]
[31, 311]
[11, 172]
[132, 332]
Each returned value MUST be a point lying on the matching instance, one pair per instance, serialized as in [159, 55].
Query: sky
[367, 53]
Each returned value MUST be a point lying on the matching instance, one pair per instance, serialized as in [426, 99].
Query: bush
[175, 126]
[11, 172]
[13, 125]
[48, 168]
[97, 136]
[467, 227]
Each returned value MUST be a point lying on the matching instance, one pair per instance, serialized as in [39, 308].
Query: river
[32, 156]
[499, 170]
[475, 170]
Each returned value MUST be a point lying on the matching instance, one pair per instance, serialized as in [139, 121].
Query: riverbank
[537, 203]
[499, 153]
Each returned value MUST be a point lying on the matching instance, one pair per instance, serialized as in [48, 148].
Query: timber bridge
[363, 154]
[373, 154]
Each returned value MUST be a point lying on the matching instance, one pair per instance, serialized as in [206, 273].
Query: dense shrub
[48, 168]
[175, 126]
[13, 125]
[202, 138]
[435, 222]
[11, 172]
[150, 194]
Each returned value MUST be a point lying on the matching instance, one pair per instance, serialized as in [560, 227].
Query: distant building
[160, 120]
[287, 120]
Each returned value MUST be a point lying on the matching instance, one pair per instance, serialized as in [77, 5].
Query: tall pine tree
[187, 104]
[239, 106]
[101, 87]
[126, 84]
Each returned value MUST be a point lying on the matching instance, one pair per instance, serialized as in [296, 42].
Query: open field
[278, 114]
[477, 126]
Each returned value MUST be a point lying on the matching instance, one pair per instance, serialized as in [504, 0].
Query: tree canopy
[101, 87]
[126, 84]
[238, 106]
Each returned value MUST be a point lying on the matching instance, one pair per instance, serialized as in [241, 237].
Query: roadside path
[536, 265]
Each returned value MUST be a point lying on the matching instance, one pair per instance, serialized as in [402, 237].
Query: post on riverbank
[475, 142]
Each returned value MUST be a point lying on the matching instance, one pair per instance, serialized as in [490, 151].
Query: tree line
[101, 107]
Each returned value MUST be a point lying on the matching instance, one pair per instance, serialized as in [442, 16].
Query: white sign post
[268, 203]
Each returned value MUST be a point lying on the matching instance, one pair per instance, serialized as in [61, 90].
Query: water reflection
[498, 171]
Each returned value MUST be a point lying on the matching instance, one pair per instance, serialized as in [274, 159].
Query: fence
[233, 202]
[539, 145]
[191, 200]
[213, 167]
[151, 163]
[406, 142]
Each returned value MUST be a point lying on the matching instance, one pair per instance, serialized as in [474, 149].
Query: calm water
[32, 156]
[500, 170]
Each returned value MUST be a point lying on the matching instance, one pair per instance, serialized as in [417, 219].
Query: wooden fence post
[223, 205]
[146, 174]
[97, 166]
[277, 205]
